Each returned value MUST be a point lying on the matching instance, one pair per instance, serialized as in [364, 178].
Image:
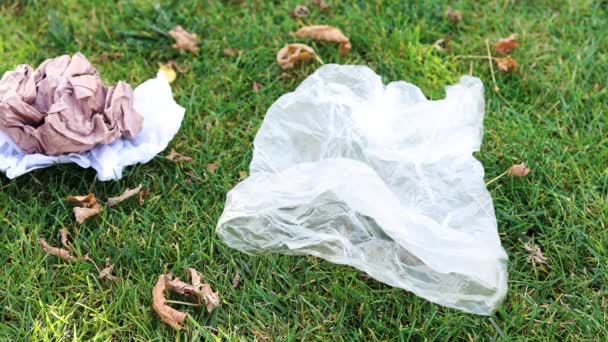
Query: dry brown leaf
[64, 238]
[292, 53]
[212, 167]
[184, 40]
[301, 11]
[106, 273]
[183, 288]
[236, 280]
[506, 64]
[167, 314]
[324, 33]
[518, 170]
[242, 175]
[212, 299]
[112, 201]
[178, 157]
[536, 257]
[453, 15]
[256, 86]
[142, 196]
[231, 52]
[443, 44]
[105, 56]
[506, 45]
[60, 252]
[86, 201]
[83, 214]
[322, 4]
[88, 207]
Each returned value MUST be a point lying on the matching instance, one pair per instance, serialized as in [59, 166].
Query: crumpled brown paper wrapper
[63, 107]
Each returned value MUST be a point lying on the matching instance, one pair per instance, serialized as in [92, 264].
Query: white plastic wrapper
[162, 119]
[379, 178]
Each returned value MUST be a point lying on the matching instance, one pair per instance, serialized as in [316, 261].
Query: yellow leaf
[167, 72]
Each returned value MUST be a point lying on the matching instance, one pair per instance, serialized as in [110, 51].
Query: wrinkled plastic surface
[162, 119]
[379, 178]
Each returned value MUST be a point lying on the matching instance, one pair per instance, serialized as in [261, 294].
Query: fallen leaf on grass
[60, 252]
[212, 167]
[236, 280]
[197, 289]
[506, 45]
[112, 201]
[322, 4]
[142, 196]
[64, 238]
[88, 207]
[301, 11]
[106, 273]
[506, 64]
[256, 86]
[167, 72]
[231, 52]
[536, 257]
[242, 175]
[453, 15]
[292, 53]
[324, 33]
[178, 157]
[212, 299]
[518, 170]
[184, 40]
[443, 44]
[167, 314]
[105, 56]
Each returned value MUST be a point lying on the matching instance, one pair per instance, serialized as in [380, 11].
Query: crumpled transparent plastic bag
[163, 117]
[377, 177]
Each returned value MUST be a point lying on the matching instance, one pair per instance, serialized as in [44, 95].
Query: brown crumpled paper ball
[62, 107]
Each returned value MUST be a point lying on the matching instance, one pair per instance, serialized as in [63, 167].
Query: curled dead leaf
[324, 33]
[60, 252]
[64, 238]
[184, 40]
[178, 157]
[142, 196]
[236, 280]
[105, 56]
[201, 291]
[292, 53]
[453, 15]
[231, 52]
[83, 214]
[256, 86]
[212, 167]
[106, 273]
[167, 314]
[518, 170]
[301, 11]
[506, 64]
[211, 299]
[443, 44]
[167, 71]
[322, 4]
[536, 255]
[112, 201]
[88, 207]
[506, 45]
[183, 288]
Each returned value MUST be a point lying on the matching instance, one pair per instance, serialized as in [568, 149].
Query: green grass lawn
[552, 114]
